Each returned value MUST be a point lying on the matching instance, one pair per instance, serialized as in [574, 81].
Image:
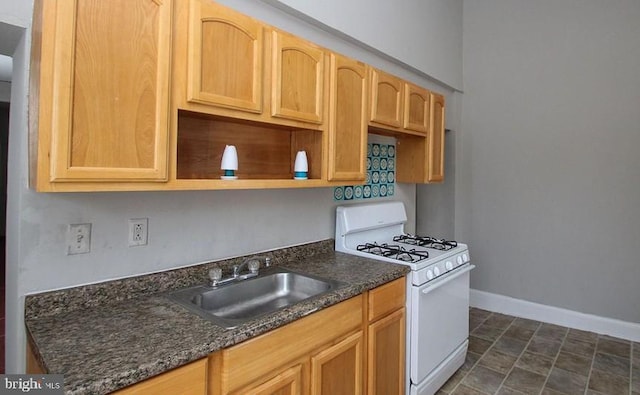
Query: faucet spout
[253, 264]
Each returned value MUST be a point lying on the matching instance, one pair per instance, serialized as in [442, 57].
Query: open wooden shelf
[265, 151]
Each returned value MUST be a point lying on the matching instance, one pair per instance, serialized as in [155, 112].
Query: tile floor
[509, 355]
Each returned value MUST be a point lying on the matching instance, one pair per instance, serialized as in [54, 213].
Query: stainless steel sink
[233, 304]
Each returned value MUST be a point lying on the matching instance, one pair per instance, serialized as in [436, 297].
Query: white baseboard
[555, 315]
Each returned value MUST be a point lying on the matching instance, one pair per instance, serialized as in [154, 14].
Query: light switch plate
[78, 239]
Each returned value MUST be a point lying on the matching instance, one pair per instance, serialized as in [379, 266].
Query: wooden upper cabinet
[386, 99]
[297, 78]
[348, 119]
[103, 90]
[416, 108]
[225, 51]
[436, 139]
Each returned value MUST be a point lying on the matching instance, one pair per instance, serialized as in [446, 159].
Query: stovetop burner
[394, 252]
[426, 241]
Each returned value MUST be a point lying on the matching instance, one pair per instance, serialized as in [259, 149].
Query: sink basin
[233, 304]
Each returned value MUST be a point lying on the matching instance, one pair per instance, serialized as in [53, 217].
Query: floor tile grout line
[519, 355]
[481, 355]
[455, 387]
[631, 369]
[596, 352]
[593, 362]
[514, 364]
[546, 379]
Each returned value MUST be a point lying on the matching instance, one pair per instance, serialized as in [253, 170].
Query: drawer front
[244, 363]
[189, 379]
[386, 298]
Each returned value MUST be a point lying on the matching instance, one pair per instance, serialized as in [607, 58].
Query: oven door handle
[438, 284]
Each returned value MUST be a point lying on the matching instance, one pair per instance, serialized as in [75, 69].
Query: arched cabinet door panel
[298, 74]
[348, 119]
[387, 96]
[102, 93]
[225, 55]
[416, 108]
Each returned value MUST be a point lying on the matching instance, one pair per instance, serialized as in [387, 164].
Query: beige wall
[426, 34]
[550, 164]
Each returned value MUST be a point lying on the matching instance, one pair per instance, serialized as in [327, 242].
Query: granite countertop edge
[123, 358]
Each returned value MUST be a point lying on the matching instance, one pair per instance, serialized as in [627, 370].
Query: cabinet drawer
[189, 379]
[386, 298]
[242, 364]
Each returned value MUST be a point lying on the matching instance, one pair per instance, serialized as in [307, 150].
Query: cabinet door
[338, 369]
[225, 57]
[386, 99]
[386, 351]
[416, 108]
[297, 79]
[104, 91]
[436, 139]
[347, 117]
[289, 382]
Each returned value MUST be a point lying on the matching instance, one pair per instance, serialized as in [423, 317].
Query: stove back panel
[358, 218]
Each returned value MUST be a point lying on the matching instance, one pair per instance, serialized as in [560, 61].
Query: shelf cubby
[265, 151]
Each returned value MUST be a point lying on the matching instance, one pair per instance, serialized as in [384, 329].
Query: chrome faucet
[252, 263]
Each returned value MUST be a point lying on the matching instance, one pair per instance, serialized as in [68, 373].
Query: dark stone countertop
[102, 348]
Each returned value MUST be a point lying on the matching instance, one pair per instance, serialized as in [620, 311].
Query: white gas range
[437, 287]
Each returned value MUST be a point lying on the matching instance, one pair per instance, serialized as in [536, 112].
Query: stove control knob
[465, 257]
[459, 260]
[448, 265]
[429, 274]
[436, 271]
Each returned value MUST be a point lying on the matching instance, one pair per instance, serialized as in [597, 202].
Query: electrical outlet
[138, 231]
[78, 239]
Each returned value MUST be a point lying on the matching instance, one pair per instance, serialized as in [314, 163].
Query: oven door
[439, 321]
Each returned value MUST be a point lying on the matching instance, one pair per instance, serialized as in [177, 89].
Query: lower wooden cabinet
[33, 365]
[318, 346]
[288, 382]
[337, 370]
[190, 379]
[386, 339]
[351, 348]
[385, 372]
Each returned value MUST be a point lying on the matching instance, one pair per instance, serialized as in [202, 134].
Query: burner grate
[426, 241]
[394, 252]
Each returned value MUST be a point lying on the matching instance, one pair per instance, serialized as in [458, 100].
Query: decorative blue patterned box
[380, 178]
